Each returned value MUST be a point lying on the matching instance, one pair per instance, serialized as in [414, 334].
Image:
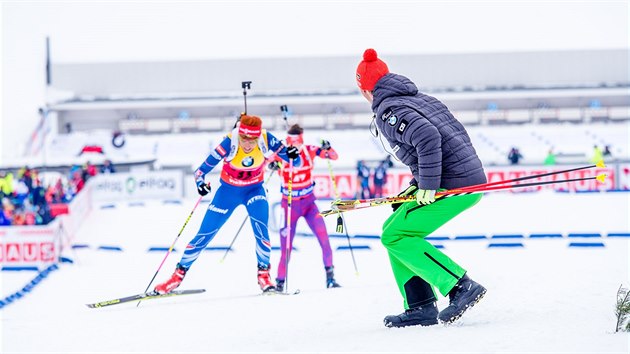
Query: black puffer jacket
[425, 136]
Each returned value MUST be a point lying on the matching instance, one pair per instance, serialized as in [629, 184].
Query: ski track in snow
[544, 297]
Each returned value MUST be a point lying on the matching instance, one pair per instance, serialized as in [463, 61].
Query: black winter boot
[423, 316]
[330, 278]
[464, 295]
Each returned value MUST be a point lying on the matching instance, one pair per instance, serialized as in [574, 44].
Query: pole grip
[339, 224]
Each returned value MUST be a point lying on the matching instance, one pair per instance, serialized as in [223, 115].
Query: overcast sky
[93, 31]
[158, 30]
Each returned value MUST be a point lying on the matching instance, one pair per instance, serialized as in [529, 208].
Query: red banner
[624, 176]
[26, 246]
[397, 180]
[27, 252]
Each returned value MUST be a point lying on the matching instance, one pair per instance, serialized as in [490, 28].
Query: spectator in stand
[18, 217]
[6, 184]
[54, 193]
[21, 192]
[77, 182]
[43, 213]
[8, 207]
[380, 178]
[363, 176]
[30, 216]
[25, 174]
[598, 156]
[551, 158]
[5, 220]
[73, 169]
[514, 156]
[37, 193]
[88, 171]
[108, 167]
[607, 152]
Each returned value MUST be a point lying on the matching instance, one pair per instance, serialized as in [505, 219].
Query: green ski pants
[411, 256]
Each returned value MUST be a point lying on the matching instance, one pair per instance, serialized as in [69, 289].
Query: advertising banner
[398, 179]
[623, 176]
[28, 246]
[137, 185]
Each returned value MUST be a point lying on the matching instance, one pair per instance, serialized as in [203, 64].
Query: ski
[341, 206]
[271, 293]
[145, 296]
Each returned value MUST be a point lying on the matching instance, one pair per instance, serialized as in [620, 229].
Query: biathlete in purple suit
[303, 201]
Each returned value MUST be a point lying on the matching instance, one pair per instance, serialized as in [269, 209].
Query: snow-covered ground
[543, 297]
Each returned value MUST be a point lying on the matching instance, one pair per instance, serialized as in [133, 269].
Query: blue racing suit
[241, 183]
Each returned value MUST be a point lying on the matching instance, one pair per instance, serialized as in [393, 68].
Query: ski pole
[245, 85]
[288, 245]
[285, 113]
[396, 199]
[172, 245]
[341, 222]
[347, 205]
[600, 164]
[240, 228]
[234, 239]
[354, 262]
[483, 189]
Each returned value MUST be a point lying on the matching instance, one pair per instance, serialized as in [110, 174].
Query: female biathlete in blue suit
[243, 153]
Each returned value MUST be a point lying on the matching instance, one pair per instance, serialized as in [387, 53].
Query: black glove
[407, 192]
[325, 145]
[203, 188]
[274, 165]
[293, 152]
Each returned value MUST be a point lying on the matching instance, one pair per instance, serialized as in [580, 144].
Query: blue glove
[325, 145]
[203, 188]
[293, 152]
[425, 196]
[407, 192]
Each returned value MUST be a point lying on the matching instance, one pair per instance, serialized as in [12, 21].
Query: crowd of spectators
[25, 200]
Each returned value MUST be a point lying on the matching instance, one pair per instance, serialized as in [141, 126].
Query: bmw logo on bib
[392, 120]
[248, 161]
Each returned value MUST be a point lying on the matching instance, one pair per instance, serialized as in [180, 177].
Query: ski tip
[600, 164]
[601, 178]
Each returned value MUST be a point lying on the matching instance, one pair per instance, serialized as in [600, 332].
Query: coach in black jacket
[435, 146]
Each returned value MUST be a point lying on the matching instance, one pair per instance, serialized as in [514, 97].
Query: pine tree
[622, 309]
